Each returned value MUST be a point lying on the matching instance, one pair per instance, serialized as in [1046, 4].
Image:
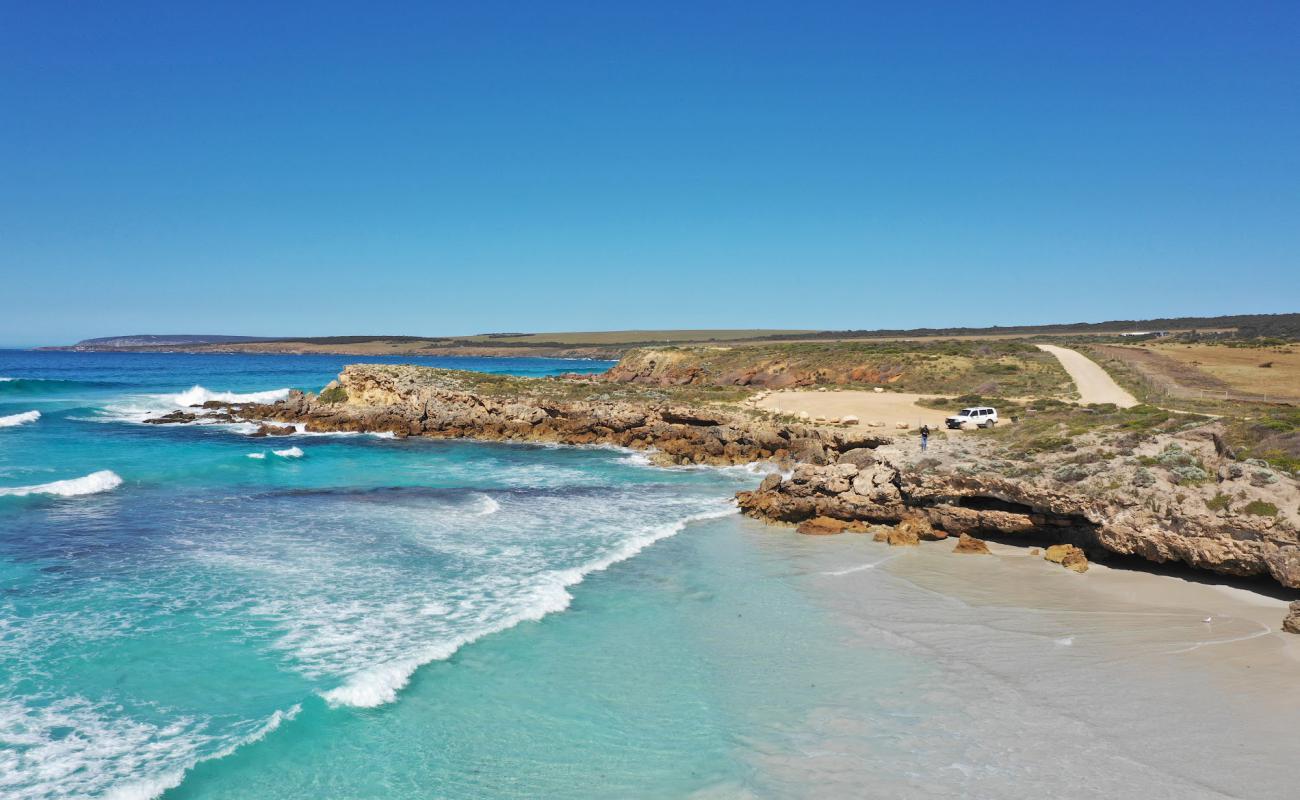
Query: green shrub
[1219, 502]
[334, 394]
[1260, 509]
[1144, 477]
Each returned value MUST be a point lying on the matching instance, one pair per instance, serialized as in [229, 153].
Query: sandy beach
[1110, 683]
[887, 408]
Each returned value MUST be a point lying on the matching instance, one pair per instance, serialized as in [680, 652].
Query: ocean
[193, 612]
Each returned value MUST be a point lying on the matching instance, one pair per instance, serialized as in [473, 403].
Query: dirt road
[1093, 382]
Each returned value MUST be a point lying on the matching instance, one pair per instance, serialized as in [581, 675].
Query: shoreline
[1109, 494]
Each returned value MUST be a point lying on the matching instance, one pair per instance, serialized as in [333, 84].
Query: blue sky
[461, 168]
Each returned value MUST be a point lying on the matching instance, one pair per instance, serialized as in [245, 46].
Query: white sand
[1041, 682]
[889, 408]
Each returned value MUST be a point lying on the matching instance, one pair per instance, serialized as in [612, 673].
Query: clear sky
[438, 168]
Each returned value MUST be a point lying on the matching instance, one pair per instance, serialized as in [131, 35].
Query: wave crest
[198, 395]
[14, 420]
[94, 483]
[378, 685]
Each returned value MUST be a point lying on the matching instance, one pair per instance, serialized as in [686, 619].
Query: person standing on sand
[925, 436]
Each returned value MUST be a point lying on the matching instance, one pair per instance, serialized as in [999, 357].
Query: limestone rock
[918, 526]
[860, 457]
[821, 526]
[902, 536]
[969, 544]
[1068, 556]
[1292, 622]
[174, 418]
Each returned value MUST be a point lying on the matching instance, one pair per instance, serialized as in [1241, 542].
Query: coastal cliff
[1168, 494]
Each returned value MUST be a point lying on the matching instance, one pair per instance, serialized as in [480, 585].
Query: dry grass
[630, 337]
[1240, 368]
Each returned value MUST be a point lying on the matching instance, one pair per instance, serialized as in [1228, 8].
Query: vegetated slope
[990, 368]
[1286, 326]
[158, 340]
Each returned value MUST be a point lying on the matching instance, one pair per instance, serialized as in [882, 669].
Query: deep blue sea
[191, 612]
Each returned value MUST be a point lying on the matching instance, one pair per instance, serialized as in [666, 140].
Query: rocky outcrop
[1175, 499]
[275, 430]
[420, 401]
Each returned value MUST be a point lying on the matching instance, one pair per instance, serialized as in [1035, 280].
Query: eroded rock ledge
[1124, 508]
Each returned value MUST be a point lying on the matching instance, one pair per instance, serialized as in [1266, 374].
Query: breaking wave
[14, 420]
[198, 395]
[94, 483]
[380, 684]
[291, 452]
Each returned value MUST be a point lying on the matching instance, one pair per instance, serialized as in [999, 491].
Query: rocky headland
[1155, 486]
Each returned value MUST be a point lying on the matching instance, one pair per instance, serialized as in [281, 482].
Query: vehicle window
[967, 412]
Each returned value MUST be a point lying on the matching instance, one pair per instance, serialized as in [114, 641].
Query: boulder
[918, 525]
[1292, 622]
[1068, 556]
[859, 457]
[969, 544]
[174, 418]
[820, 526]
[900, 536]
[849, 419]
[770, 483]
[274, 430]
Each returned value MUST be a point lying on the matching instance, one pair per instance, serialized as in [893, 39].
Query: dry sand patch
[889, 408]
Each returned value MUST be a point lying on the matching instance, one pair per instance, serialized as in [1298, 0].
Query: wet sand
[1042, 682]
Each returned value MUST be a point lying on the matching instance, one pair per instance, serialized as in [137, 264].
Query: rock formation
[1121, 507]
[969, 544]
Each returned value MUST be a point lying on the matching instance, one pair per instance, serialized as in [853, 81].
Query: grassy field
[628, 337]
[1242, 368]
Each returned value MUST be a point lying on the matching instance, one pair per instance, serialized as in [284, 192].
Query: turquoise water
[190, 612]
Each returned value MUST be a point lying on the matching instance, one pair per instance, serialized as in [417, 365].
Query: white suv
[979, 416]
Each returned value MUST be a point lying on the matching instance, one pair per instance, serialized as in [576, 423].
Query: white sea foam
[487, 506]
[198, 395]
[291, 452]
[380, 684]
[14, 420]
[102, 481]
[258, 456]
[138, 408]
